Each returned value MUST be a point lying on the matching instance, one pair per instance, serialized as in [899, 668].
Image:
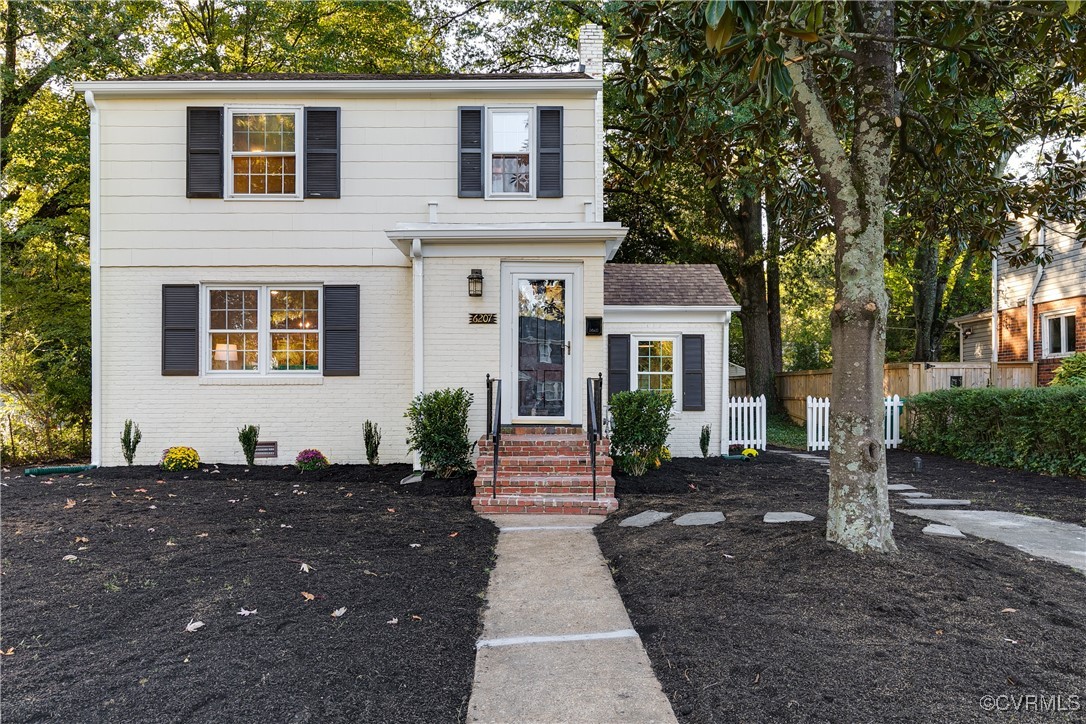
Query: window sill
[1057, 355]
[263, 380]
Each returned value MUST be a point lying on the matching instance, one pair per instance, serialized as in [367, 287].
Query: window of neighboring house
[1058, 334]
[655, 362]
[263, 153]
[509, 133]
[263, 330]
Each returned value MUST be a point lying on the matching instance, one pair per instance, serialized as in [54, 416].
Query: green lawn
[780, 430]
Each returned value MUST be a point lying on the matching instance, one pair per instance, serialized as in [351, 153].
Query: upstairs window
[510, 154]
[1058, 334]
[263, 153]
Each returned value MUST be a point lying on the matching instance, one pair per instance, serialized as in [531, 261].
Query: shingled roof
[665, 285]
[358, 76]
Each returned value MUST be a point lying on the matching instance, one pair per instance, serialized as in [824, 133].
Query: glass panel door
[542, 346]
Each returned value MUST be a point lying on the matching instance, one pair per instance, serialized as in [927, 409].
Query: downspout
[995, 312]
[96, 279]
[1032, 293]
[725, 401]
[419, 360]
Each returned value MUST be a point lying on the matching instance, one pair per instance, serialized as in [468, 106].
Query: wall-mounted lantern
[475, 283]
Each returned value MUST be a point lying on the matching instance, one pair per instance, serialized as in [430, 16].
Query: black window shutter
[342, 310]
[322, 153]
[693, 371]
[470, 145]
[618, 363]
[180, 329]
[205, 144]
[549, 135]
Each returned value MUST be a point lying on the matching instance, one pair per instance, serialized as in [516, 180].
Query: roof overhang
[666, 313]
[610, 234]
[341, 88]
[974, 317]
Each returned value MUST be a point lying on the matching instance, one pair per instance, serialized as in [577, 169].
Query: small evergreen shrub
[372, 435]
[641, 422]
[248, 436]
[706, 433]
[130, 440]
[1039, 429]
[180, 458]
[1072, 371]
[311, 459]
[437, 428]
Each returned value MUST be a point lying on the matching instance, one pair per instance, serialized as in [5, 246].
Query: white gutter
[436, 87]
[995, 309]
[95, 278]
[1032, 293]
[417, 341]
[725, 402]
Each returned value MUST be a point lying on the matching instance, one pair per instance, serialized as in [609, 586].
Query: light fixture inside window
[475, 283]
[226, 353]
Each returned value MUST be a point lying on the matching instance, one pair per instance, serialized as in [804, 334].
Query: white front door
[541, 347]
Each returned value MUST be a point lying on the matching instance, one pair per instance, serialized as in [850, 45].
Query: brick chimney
[590, 49]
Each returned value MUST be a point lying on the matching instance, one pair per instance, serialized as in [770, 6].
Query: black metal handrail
[494, 424]
[595, 421]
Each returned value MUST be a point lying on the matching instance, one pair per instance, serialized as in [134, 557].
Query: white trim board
[663, 315]
[342, 88]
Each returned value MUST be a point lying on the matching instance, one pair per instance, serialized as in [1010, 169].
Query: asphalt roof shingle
[665, 285]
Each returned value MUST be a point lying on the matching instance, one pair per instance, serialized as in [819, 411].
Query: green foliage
[1072, 371]
[703, 440]
[780, 430]
[372, 435]
[1039, 429]
[180, 458]
[437, 428]
[249, 436]
[130, 440]
[640, 424]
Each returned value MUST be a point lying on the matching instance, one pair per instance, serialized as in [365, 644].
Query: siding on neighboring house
[977, 347]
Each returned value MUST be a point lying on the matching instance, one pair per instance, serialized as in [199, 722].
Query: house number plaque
[485, 318]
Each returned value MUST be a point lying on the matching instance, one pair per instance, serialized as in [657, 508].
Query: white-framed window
[270, 329]
[263, 153]
[510, 140]
[1058, 333]
[655, 364]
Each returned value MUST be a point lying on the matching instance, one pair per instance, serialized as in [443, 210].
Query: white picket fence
[818, 422]
[746, 422]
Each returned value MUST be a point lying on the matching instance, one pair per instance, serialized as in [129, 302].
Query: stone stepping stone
[708, 517]
[787, 518]
[938, 501]
[943, 531]
[900, 486]
[914, 495]
[644, 520]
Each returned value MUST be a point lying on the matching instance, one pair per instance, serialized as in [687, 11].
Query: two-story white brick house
[306, 252]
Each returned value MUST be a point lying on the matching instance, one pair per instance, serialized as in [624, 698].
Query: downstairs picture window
[263, 330]
[655, 365]
[1059, 334]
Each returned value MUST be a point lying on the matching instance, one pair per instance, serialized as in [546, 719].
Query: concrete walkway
[557, 643]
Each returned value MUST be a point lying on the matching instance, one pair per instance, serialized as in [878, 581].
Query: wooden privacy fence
[746, 422]
[818, 422]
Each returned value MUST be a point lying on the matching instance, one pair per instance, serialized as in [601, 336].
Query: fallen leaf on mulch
[349, 495]
[416, 618]
[415, 545]
[201, 535]
[112, 494]
[392, 621]
[938, 632]
[193, 624]
[1009, 610]
[453, 535]
[82, 539]
[261, 510]
[140, 490]
[152, 507]
[339, 612]
[69, 503]
[170, 543]
[69, 557]
[1010, 641]
[9, 652]
[308, 596]
[368, 572]
[305, 568]
[391, 510]
[246, 612]
[284, 525]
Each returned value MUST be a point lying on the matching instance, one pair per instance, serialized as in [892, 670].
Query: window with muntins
[263, 330]
[510, 136]
[655, 365]
[1059, 334]
[264, 146]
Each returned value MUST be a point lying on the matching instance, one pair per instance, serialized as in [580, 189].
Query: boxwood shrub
[641, 422]
[1040, 429]
[437, 427]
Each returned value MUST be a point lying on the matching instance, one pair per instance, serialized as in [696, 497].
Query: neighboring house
[1041, 308]
[306, 252]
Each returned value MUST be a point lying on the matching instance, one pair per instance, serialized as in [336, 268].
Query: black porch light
[475, 283]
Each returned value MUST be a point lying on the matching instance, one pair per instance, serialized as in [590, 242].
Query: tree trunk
[925, 291]
[773, 287]
[757, 349]
[856, 183]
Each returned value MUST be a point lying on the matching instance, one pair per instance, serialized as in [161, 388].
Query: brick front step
[543, 465]
[604, 487]
[543, 430]
[557, 504]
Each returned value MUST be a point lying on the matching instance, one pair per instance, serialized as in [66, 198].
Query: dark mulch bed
[103, 638]
[758, 623]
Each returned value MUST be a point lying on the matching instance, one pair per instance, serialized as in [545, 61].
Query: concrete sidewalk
[557, 643]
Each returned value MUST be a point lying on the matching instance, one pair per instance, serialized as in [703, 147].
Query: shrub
[180, 458]
[248, 436]
[641, 422]
[1041, 429]
[1072, 371]
[130, 440]
[437, 428]
[706, 433]
[372, 435]
[311, 459]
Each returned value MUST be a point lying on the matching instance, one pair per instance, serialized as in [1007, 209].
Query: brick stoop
[544, 469]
